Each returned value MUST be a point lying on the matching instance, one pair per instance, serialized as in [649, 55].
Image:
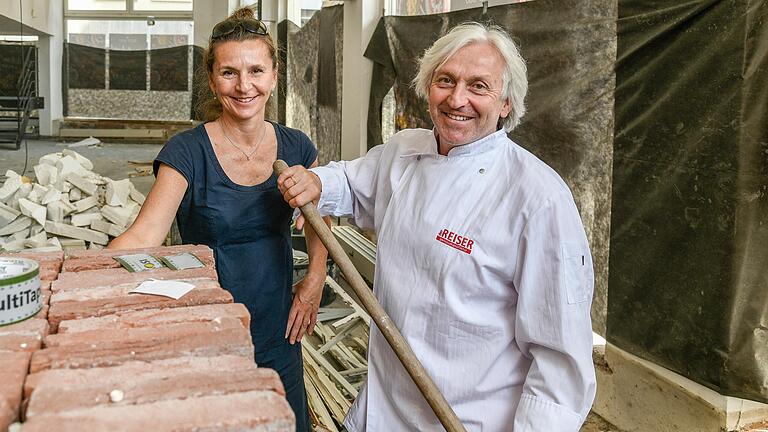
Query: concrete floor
[109, 160]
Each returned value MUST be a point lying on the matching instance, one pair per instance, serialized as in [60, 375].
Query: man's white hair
[515, 82]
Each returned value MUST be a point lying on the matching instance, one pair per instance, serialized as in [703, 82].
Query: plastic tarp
[570, 49]
[85, 66]
[689, 246]
[127, 70]
[168, 69]
[10, 68]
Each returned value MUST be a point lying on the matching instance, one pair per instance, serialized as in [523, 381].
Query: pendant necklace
[247, 155]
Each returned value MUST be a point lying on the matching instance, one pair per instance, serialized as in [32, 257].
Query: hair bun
[243, 13]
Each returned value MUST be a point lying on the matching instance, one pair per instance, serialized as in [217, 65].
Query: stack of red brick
[115, 360]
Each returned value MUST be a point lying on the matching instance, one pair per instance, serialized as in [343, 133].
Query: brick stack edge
[98, 358]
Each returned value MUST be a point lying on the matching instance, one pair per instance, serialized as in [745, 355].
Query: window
[95, 5]
[129, 8]
[162, 5]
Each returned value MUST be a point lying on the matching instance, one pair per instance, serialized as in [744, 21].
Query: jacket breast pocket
[577, 272]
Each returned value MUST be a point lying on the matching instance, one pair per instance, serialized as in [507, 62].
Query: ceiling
[11, 27]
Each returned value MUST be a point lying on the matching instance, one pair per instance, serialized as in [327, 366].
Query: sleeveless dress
[248, 228]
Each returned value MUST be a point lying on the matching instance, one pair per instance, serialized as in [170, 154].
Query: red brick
[50, 262]
[13, 369]
[158, 317]
[46, 294]
[102, 259]
[102, 348]
[67, 305]
[43, 314]
[146, 382]
[249, 411]
[41, 256]
[23, 336]
[108, 277]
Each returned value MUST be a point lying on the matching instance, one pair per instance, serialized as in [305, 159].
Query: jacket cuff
[537, 415]
[330, 193]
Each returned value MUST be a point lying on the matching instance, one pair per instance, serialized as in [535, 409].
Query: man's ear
[506, 108]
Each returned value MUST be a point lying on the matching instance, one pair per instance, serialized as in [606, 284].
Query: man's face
[465, 97]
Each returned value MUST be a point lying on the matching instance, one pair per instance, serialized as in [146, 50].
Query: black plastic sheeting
[199, 78]
[85, 66]
[570, 49]
[10, 68]
[127, 70]
[168, 69]
[689, 244]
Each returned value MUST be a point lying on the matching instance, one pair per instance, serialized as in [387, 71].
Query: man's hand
[306, 302]
[299, 186]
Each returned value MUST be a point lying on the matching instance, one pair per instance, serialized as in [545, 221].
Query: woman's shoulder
[189, 142]
[291, 135]
[193, 135]
[297, 148]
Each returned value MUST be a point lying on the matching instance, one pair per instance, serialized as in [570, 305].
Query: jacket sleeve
[554, 281]
[349, 188]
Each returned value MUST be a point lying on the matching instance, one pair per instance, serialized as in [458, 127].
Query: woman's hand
[299, 186]
[306, 302]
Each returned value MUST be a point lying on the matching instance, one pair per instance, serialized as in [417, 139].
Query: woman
[217, 180]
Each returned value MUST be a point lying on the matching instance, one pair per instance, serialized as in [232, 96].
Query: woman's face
[243, 77]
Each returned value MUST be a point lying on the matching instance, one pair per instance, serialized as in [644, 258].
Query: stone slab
[59, 228]
[101, 348]
[26, 335]
[13, 369]
[146, 382]
[158, 317]
[101, 259]
[115, 276]
[256, 411]
[50, 262]
[85, 303]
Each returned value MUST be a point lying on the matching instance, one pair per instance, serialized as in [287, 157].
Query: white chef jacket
[483, 264]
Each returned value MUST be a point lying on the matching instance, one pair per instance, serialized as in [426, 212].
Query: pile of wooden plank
[66, 207]
[335, 359]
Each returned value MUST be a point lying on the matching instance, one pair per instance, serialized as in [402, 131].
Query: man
[482, 261]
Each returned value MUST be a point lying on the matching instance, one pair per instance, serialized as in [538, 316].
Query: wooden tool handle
[396, 340]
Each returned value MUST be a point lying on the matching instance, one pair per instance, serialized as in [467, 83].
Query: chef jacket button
[482, 171]
[418, 158]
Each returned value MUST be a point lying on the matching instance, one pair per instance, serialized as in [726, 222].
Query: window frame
[128, 14]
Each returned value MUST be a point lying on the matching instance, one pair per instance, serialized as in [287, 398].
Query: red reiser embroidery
[462, 243]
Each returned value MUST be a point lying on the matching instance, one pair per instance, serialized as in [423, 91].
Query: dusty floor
[595, 423]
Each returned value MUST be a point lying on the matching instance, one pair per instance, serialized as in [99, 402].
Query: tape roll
[19, 289]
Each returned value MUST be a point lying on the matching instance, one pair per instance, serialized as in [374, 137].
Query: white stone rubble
[66, 206]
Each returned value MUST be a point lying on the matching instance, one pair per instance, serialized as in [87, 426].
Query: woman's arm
[156, 215]
[309, 291]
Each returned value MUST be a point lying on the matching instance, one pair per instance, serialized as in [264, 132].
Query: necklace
[247, 155]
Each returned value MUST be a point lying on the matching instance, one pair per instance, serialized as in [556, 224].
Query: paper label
[168, 288]
[139, 262]
[184, 260]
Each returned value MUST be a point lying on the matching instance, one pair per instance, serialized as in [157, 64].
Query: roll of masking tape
[19, 289]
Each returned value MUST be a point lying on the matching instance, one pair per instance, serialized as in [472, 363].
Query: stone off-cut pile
[134, 362]
[66, 207]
